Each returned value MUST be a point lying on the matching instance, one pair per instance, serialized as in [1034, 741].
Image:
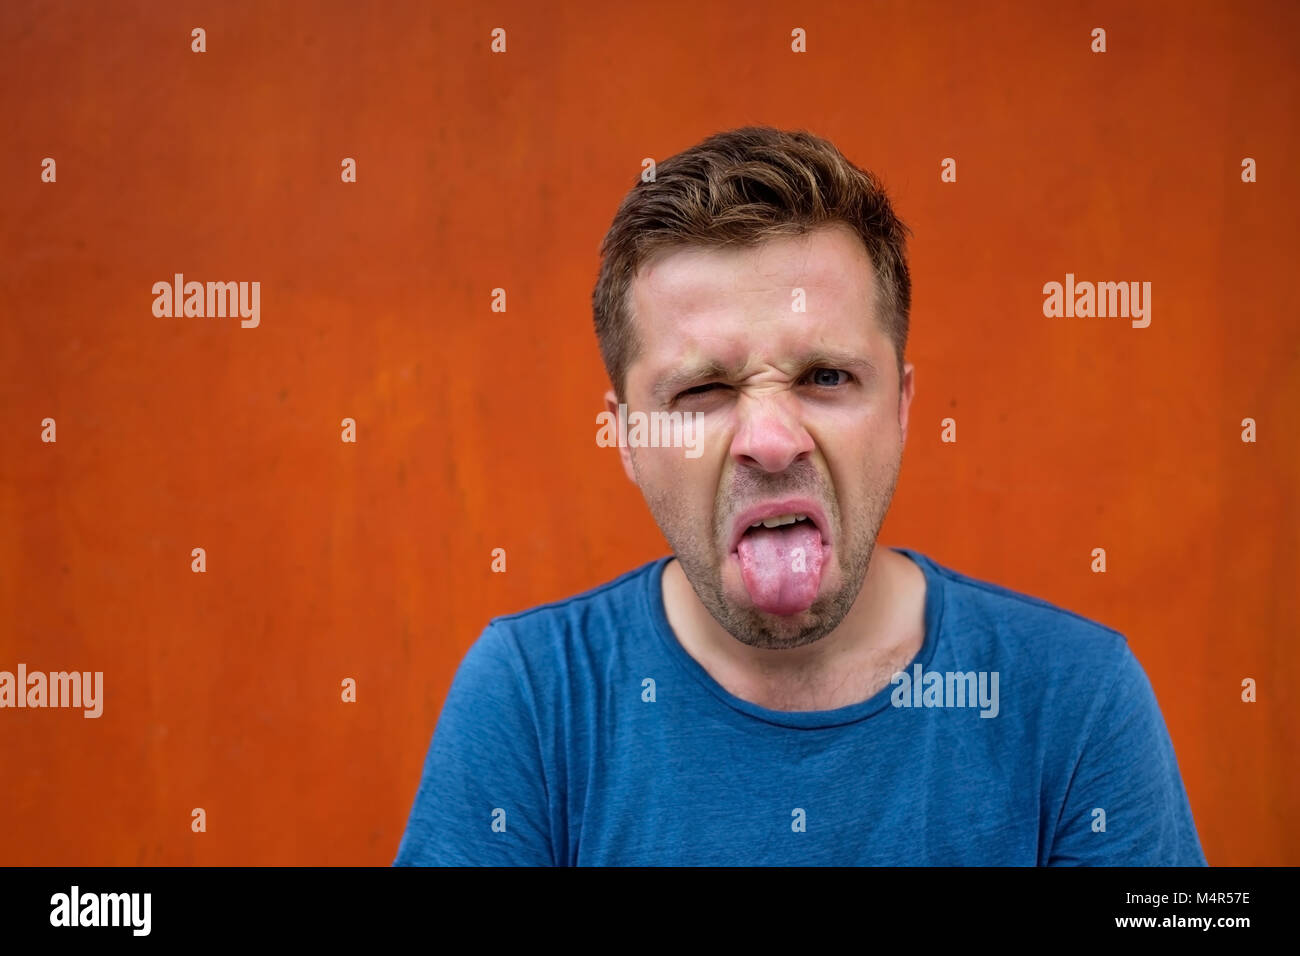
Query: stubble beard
[700, 548]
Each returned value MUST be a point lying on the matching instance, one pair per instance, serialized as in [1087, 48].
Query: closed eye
[701, 389]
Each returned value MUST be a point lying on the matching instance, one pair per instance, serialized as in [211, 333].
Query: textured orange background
[476, 429]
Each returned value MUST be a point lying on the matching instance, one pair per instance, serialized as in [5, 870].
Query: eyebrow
[669, 384]
[666, 388]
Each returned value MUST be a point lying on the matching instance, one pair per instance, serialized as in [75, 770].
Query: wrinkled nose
[769, 434]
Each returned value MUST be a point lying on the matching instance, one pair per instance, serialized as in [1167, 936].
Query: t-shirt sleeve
[482, 795]
[1128, 772]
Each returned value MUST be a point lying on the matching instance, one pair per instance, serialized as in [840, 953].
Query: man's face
[801, 414]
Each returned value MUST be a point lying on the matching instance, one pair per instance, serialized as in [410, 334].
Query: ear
[906, 391]
[624, 453]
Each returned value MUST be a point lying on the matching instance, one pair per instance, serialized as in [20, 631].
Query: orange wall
[476, 429]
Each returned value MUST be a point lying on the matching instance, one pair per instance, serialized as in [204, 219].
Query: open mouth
[782, 549]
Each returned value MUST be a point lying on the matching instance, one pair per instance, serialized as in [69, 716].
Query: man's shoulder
[595, 618]
[989, 620]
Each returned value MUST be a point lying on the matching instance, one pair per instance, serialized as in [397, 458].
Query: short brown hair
[740, 188]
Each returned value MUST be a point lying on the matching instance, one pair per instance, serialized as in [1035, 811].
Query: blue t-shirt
[582, 733]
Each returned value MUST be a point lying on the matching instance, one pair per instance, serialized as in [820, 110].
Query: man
[779, 690]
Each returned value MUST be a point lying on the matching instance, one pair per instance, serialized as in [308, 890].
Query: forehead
[732, 305]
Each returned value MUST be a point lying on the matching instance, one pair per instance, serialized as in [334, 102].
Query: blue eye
[819, 377]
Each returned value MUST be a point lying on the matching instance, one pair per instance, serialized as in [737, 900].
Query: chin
[722, 591]
[775, 632]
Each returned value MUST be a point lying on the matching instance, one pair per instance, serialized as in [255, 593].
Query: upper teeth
[779, 520]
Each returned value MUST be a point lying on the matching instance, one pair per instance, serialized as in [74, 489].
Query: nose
[769, 434]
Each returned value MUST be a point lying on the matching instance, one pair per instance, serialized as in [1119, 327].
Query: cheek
[684, 486]
[664, 468]
[862, 459]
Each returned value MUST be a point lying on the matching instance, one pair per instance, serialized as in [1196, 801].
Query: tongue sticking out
[782, 567]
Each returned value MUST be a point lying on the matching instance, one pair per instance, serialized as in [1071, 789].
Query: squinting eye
[700, 389]
[819, 376]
